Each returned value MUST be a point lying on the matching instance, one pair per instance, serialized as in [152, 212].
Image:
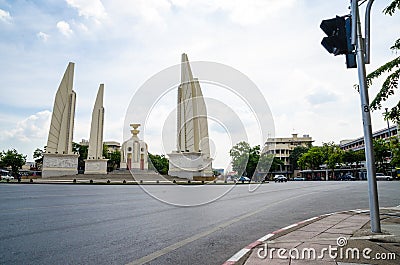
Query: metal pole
[387, 120]
[366, 117]
[367, 31]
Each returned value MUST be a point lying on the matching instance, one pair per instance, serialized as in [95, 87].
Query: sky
[275, 43]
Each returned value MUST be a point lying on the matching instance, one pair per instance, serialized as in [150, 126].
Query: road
[122, 224]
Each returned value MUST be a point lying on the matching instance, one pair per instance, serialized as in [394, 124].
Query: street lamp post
[387, 120]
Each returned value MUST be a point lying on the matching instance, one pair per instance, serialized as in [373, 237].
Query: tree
[392, 68]
[381, 152]
[240, 156]
[82, 150]
[114, 159]
[295, 155]
[333, 155]
[160, 163]
[395, 149]
[277, 164]
[38, 157]
[13, 159]
[312, 159]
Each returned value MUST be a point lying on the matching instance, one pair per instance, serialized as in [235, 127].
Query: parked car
[381, 176]
[347, 177]
[243, 179]
[280, 178]
[5, 174]
[299, 178]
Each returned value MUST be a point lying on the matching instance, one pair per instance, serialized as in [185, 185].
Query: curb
[241, 253]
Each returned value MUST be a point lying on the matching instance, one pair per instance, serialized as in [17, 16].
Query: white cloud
[43, 36]
[89, 8]
[35, 127]
[321, 96]
[5, 16]
[251, 11]
[64, 28]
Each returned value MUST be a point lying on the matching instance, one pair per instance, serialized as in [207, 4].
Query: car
[381, 176]
[280, 178]
[347, 177]
[243, 179]
[299, 178]
[7, 177]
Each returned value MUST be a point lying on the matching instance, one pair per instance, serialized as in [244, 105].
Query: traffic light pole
[366, 117]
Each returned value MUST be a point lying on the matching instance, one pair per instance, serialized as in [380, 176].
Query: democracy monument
[59, 159]
[95, 162]
[192, 158]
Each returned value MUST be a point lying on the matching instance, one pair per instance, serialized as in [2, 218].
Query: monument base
[96, 166]
[190, 165]
[55, 165]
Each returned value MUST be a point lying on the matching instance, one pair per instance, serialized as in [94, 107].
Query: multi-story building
[358, 143]
[283, 147]
[112, 146]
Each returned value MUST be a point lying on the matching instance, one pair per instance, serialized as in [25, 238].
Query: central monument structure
[95, 162]
[192, 158]
[59, 158]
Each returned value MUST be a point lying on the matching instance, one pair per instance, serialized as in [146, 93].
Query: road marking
[264, 238]
[239, 254]
[188, 240]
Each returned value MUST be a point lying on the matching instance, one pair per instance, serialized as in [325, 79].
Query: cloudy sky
[122, 43]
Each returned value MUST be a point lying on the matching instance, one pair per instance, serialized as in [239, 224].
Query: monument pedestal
[55, 165]
[190, 165]
[96, 166]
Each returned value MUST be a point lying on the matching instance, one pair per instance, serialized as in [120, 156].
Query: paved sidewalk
[339, 238]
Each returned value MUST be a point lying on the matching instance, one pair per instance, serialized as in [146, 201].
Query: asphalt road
[121, 224]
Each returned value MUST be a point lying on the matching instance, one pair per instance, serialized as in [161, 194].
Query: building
[134, 153]
[283, 147]
[112, 146]
[358, 143]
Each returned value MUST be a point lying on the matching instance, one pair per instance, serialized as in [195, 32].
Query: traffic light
[338, 41]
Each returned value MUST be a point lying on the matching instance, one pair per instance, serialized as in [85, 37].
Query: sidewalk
[340, 238]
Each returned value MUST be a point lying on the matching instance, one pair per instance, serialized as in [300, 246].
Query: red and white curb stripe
[240, 254]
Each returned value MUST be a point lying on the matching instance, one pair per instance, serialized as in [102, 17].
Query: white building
[283, 147]
[134, 153]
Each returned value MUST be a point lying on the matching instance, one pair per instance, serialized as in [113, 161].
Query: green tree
[38, 157]
[392, 69]
[294, 156]
[82, 150]
[312, 159]
[395, 149]
[381, 152]
[277, 164]
[114, 159]
[160, 163]
[245, 158]
[333, 155]
[1, 160]
[240, 156]
[13, 159]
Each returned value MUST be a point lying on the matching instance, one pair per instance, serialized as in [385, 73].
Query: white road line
[239, 254]
[264, 238]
